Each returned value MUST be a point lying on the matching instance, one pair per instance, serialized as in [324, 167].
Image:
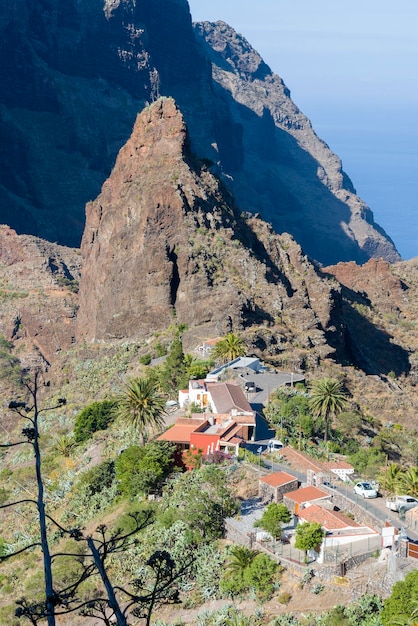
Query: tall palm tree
[409, 482]
[327, 398]
[229, 348]
[141, 404]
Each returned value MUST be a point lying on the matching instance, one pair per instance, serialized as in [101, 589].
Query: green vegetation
[94, 417]
[141, 405]
[402, 606]
[228, 348]
[327, 398]
[9, 363]
[309, 536]
[248, 570]
[273, 517]
[141, 470]
[69, 283]
[183, 536]
[290, 413]
[202, 499]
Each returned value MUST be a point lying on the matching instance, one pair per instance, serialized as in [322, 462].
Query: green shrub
[4, 495]
[97, 479]
[126, 523]
[142, 469]
[94, 417]
[3, 547]
[284, 597]
[160, 349]
[145, 359]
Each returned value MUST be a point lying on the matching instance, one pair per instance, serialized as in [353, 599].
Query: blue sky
[352, 68]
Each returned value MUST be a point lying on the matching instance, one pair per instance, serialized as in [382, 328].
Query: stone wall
[275, 494]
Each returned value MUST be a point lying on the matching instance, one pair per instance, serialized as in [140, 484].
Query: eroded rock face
[38, 294]
[376, 305]
[164, 242]
[385, 290]
[74, 76]
[72, 79]
[277, 165]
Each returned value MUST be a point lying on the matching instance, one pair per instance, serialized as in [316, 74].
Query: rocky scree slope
[73, 77]
[38, 296]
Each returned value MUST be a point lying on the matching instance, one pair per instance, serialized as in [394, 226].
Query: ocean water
[379, 153]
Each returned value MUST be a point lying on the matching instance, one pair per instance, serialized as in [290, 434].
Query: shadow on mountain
[271, 174]
[368, 347]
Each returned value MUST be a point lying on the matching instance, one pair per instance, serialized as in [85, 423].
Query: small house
[299, 499]
[271, 488]
[340, 530]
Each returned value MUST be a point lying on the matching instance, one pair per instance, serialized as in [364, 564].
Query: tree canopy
[309, 535]
[327, 398]
[402, 606]
[141, 469]
[229, 348]
[94, 417]
[273, 517]
[141, 405]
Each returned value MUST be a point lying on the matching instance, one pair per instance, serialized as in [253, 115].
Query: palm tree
[409, 482]
[240, 558]
[141, 404]
[390, 477]
[327, 398]
[229, 348]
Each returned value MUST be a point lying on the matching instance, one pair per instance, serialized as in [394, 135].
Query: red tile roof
[337, 465]
[182, 429]
[278, 479]
[330, 520]
[307, 494]
[304, 462]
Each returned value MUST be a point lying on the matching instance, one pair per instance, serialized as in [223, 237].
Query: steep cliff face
[279, 166]
[164, 242]
[73, 77]
[377, 308]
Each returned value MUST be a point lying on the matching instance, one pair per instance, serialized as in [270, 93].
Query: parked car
[366, 490]
[275, 444]
[401, 502]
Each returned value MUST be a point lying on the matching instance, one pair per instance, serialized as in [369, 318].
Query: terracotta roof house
[180, 432]
[208, 433]
[226, 399]
[319, 471]
[340, 529]
[207, 346]
[341, 468]
[299, 499]
[272, 487]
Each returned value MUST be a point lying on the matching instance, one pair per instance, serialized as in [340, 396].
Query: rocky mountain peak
[164, 241]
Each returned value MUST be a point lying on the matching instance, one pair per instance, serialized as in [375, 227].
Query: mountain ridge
[73, 79]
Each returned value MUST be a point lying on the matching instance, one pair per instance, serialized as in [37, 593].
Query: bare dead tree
[30, 413]
[146, 596]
